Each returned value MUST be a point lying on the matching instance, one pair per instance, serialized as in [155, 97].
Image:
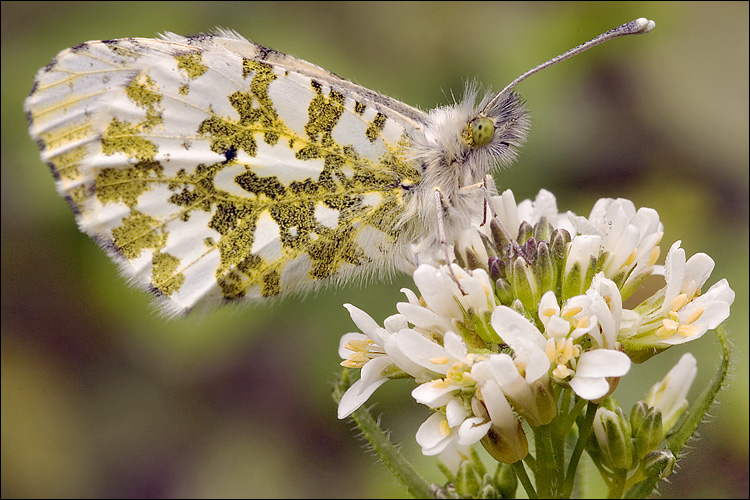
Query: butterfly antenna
[637, 27]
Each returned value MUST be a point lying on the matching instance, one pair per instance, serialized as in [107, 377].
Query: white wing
[211, 168]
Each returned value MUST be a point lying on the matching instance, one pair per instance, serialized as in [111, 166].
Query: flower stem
[587, 425]
[520, 471]
[382, 445]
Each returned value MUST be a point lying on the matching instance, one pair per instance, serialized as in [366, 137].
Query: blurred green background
[101, 398]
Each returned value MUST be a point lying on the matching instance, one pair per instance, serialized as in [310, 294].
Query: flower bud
[504, 291]
[473, 261]
[480, 324]
[468, 480]
[545, 270]
[500, 236]
[669, 394]
[649, 434]
[524, 284]
[525, 231]
[496, 268]
[558, 246]
[613, 433]
[658, 464]
[543, 230]
[637, 414]
[506, 481]
[506, 446]
[546, 405]
[488, 491]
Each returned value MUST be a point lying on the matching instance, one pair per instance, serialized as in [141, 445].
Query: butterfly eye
[482, 131]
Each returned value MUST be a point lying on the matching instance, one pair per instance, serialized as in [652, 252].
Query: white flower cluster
[521, 316]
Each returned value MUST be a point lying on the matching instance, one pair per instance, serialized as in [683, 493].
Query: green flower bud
[500, 236]
[546, 405]
[524, 284]
[525, 231]
[658, 464]
[488, 246]
[468, 481]
[504, 291]
[637, 414]
[480, 324]
[506, 481]
[460, 259]
[613, 434]
[649, 434]
[473, 261]
[488, 491]
[558, 246]
[543, 230]
[544, 268]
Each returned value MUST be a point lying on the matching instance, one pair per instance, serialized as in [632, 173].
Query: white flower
[630, 239]
[593, 369]
[450, 433]
[366, 351]
[669, 395]
[586, 372]
[679, 313]
[545, 205]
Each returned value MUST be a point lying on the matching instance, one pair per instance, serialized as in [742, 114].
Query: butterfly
[213, 169]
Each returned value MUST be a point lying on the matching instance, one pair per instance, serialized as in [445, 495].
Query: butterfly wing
[211, 168]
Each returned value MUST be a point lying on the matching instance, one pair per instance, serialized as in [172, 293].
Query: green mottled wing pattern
[214, 169]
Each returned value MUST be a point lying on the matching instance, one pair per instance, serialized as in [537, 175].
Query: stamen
[632, 257]
[655, 252]
[678, 302]
[440, 360]
[695, 315]
[572, 311]
[440, 383]
[444, 428]
[687, 330]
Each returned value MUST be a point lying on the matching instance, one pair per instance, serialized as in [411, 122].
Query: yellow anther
[353, 364]
[687, 330]
[572, 311]
[632, 257]
[583, 322]
[444, 428]
[440, 383]
[568, 350]
[678, 302]
[562, 371]
[691, 289]
[550, 350]
[695, 315]
[662, 332]
[440, 360]
[549, 312]
[655, 252]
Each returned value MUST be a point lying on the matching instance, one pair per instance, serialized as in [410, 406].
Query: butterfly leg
[441, 208]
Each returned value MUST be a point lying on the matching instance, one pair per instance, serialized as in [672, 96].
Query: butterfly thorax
[461, 144]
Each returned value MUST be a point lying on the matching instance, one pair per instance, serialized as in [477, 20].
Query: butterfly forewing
[211, 168]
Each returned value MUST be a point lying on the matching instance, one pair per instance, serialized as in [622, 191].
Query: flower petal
[430, 437]
[603, 363]
[589, 387]
[362, 389]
